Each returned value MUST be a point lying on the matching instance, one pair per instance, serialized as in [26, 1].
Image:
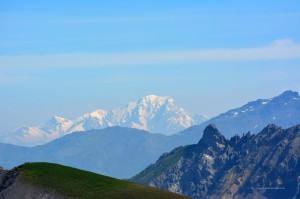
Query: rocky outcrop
[266, 165]
[12, 187]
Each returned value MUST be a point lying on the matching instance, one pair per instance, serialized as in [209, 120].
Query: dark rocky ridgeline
[7, 178]
[266, 165]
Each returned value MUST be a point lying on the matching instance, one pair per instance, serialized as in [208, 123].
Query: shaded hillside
[266, 165]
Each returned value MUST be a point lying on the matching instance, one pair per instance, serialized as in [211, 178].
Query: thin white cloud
[277, 50]
[283, 43]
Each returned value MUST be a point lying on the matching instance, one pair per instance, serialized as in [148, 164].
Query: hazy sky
[68, 58]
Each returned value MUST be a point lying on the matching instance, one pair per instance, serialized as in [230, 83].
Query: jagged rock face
[266, 165]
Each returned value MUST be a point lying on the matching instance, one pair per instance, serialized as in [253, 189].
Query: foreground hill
[266, 165]
[45, 180]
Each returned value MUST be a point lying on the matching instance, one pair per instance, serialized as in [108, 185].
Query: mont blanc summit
[156, 114]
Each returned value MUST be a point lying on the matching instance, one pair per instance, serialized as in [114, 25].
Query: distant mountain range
[103, 150]
[156, 114]
[266, 165]
[282, 110]
[119, 152]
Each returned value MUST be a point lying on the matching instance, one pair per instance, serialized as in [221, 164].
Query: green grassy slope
[83, 184]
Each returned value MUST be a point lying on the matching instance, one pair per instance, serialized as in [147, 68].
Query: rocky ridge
[266, 165]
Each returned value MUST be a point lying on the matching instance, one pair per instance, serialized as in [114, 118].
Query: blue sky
[67, 58]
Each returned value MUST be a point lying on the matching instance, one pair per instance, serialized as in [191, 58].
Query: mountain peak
[57, 120]
[151, 97]
[157, 99]
[55, 123]
[198, 119]
[289, 94]
[270, 129]
[211, 135]
[98, 113]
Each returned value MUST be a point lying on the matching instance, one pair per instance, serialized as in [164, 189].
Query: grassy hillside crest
[77, 183]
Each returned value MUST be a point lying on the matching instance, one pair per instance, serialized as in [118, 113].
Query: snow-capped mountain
[152, 113]
[199, 119]
[30, 136]
[282, 110]
[156, 114]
